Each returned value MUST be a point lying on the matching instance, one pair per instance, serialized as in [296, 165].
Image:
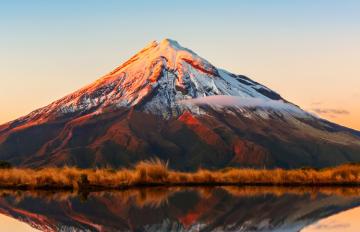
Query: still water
[183, 209]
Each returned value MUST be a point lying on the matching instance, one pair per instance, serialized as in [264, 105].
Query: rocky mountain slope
[168, 102]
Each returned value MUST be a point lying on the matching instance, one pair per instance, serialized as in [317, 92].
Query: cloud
[246, 102]
[330, 225]
[317, 108]
[330, 111]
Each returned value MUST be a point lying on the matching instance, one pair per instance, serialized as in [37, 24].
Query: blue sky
[50, 48]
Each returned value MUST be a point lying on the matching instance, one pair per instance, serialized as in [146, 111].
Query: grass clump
[151, 171]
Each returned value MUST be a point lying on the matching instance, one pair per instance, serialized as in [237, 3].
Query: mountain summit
[168, 102]
[159, 79]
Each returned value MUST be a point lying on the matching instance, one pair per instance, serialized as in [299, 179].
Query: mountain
[168, 102]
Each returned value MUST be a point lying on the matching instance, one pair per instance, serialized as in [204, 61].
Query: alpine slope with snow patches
[168, 102]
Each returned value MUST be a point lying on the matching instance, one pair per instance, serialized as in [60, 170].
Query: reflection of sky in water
[348, 221]
[13, 225]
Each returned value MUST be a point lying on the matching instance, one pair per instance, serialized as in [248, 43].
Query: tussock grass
[157, 172]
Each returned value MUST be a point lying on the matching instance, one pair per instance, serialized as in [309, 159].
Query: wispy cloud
[319, 108]
[237, 101]
[330, 225]
[330, 112]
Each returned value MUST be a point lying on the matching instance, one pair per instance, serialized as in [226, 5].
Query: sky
[8, 223]
[347, 221]
[306, 50]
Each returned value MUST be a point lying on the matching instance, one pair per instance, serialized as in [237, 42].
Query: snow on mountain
[158, 79]
[214, 119]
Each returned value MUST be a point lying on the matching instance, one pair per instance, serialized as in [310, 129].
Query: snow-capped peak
[173, 54]
[157, 80]
[166, 43]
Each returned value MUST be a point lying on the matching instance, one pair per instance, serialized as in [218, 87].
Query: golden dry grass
[156, 172]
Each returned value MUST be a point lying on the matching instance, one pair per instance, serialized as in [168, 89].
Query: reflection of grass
[248, 191]
[156, 197]
[156, 172]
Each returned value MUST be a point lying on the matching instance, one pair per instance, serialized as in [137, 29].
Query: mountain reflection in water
[178, 208]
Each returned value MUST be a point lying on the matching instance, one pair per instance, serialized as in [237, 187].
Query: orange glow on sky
[10, 224]
[347, 221]
[308, 51]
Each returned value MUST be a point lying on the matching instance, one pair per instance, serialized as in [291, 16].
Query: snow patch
[243, 102]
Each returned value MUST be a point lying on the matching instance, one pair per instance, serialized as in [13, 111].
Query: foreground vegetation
[157, 173]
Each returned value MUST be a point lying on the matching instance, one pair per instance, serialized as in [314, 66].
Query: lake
[225, 208]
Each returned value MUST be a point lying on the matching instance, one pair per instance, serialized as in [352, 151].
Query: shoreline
[96, 188]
